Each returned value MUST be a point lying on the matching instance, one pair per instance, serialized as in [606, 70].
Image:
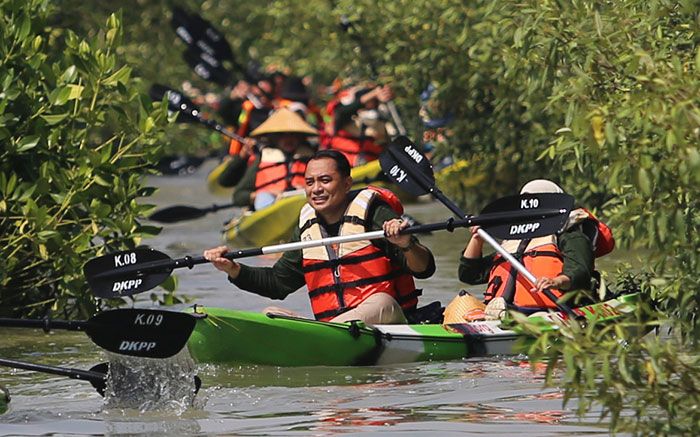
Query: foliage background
[603, 97]
[77, 136]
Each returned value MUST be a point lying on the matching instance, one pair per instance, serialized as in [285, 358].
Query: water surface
[499, 396]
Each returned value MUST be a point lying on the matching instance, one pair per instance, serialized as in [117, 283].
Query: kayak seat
[430, 314]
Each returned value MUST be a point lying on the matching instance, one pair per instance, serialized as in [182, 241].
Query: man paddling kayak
[370, 281]
[561, 262]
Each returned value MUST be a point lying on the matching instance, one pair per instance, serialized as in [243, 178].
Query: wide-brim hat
[284, 121]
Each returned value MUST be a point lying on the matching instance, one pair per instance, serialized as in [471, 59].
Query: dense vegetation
[601, 96]
[76, 138]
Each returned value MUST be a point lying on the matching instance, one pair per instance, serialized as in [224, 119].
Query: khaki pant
[379, 308]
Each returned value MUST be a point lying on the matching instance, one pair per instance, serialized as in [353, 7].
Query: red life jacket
[339, 278]
[542, 257]
[598, 232]
[278, 171]
[358, 151]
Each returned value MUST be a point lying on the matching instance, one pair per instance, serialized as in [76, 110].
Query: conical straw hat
[284, 121]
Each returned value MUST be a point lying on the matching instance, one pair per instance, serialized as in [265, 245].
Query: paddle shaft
[84, 375]
[189, 262]
[45, 324]
[219, 128]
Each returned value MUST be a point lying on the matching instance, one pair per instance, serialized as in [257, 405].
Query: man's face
[326, 189]
[288, 142]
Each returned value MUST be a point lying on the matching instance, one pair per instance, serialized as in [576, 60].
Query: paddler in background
[278, 165]
[359, 129]
[564, 263]
[371, 281]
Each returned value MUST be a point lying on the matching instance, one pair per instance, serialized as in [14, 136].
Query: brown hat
[284, 121]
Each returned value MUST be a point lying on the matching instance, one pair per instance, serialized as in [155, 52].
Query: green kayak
[242, 337]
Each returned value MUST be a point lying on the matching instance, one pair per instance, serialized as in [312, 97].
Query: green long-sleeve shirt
[575, 247]
[286, 275]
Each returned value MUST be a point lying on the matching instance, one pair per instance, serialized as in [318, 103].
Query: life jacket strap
[348, 260]
[339, 287]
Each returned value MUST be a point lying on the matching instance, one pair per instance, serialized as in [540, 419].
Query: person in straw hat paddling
[278, 165]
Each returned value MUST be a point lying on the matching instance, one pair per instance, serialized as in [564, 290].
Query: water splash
[147, 384]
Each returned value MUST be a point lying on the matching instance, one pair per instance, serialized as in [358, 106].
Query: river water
[500, 396]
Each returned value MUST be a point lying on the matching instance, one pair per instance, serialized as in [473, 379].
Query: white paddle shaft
[298, 245]
[504, 253]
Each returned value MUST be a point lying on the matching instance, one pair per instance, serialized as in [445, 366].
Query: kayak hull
[247, 338]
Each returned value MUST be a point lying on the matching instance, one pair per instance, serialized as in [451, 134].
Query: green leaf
[60, 96]
[76, 91]
[28, 142]
[24, 28]
[122, 75]
[55, 119]
[643, 181]
[100, 181]
[69, 74]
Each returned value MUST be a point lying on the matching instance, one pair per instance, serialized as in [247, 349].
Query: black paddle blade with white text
[141, 332]
[554, 209]
[196, 31]
[126, 273]
[405, 165]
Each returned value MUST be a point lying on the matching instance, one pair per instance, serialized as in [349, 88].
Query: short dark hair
[341, 162]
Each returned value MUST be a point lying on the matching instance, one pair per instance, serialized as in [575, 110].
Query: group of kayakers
[279, 127]
[372, 281]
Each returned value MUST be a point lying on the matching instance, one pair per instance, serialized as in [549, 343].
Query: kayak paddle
[178, 213]
[135, 332]
[195, 31]
[208, 48]
[189, 112]
[97, 375]
[130, 272]
[411, 170]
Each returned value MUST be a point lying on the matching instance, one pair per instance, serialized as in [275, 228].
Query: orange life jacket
[278, 171]
[246, 124]
[542, 257]
[339, 278]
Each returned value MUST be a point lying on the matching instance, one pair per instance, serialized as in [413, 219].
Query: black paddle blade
[201, 64]
[141, 332]
[177, 213]
[197, 32]
[407, 167]
[127, 272]
[555, 208]
[177, 102]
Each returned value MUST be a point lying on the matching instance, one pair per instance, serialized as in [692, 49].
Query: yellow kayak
[276, 223]
[213, 181]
